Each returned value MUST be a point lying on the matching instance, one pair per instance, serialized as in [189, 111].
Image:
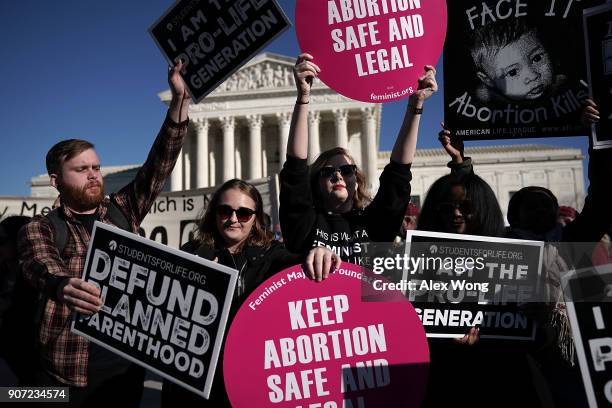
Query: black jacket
[595, 218]
[304, 226]
[255, 264]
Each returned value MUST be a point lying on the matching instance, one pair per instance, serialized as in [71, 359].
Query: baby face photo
[513, 69]
[512, 63]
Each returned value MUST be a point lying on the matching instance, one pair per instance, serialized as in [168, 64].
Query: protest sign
[598, 47]
[458, 281]
[214, 38]
[588, 294]
[372, 50]
[27, 206]
[511, 71]
[300, 343]
[163, 309]
[172, 217]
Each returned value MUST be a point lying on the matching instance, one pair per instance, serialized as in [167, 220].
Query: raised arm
[304, 73]
[179, 105]
[595, 218]
[405, 144]
[136, 198]
[459, 165]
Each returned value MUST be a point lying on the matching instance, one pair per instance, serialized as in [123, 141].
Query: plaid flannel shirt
[65, 355]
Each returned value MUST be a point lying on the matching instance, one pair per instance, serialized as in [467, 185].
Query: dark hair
[487, 217]
[207, 226]
[532, 192]
[65, 150]
[362, 196]
[10, 226]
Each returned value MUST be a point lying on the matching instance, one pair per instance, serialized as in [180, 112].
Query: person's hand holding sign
[304, 73]
[405, 144]
[320, 262]
[590, 113]
[179, 106]
[427, 87]
[471, 338]
[80, 296]
[452, 146]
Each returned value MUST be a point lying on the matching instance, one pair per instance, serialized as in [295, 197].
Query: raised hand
[304, 73]
[590, 113]
[427, 85]
[177, 85]
[452, 147]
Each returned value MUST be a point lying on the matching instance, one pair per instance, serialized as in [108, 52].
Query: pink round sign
[298, 343]
[372, 50]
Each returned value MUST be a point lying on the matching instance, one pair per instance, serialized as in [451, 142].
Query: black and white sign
[215, 37]
[512, 68]
[598, 46]
[458, 281]
[588, 293]
[163, 309]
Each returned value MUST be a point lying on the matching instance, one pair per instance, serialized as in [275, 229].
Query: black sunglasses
[465, 207]
[243, 214]
[345, 170]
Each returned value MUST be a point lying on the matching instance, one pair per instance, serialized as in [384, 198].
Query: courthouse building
[241, 130]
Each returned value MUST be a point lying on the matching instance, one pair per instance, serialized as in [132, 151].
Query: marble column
[498, 181]
[187, 155]
[368, 143]
[255, 124]
[577, 188]
[238, 173]
[212, 157]
[314, 148]
[176, 178]
[228, 124]
[284, 122]
[341, 119]
[501, 199]
[201, 128]
[548, 179]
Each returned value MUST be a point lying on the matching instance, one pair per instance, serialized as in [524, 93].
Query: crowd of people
[326, 215]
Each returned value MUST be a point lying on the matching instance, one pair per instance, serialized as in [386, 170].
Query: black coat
[306, 226]
[255, 265]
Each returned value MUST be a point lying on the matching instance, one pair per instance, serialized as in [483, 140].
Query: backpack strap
[60, 229]
[118, 217]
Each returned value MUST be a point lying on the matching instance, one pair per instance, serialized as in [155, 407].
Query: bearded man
[96, 376]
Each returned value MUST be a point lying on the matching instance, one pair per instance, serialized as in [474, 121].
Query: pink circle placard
[298, 343]
[372, 50]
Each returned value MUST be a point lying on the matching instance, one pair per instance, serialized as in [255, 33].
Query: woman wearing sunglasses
[328, 205]
[463, 203]
[232, 232]
[532, 213]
